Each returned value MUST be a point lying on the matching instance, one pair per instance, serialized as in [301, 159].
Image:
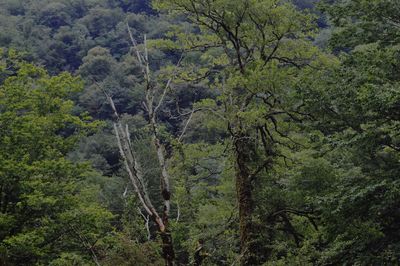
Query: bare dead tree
[153, 101]
[152, 106]
[133, 168]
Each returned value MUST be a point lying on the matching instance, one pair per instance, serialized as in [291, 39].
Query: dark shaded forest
[199, 132]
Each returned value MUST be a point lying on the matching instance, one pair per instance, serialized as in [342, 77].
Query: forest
[199, 132]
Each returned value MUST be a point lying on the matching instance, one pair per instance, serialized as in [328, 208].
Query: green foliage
[46, 204]
[356, 109]
[362, 22]
[204, 194]
[126, 252]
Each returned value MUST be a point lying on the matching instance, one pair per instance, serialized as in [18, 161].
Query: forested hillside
[198, 132]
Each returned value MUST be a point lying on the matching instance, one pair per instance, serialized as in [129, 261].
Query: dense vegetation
[191, 132]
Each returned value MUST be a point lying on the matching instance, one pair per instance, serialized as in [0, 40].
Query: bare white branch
[186, 125]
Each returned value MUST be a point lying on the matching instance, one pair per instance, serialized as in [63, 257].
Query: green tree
[47, 207]
[357, 109]
[260, 50]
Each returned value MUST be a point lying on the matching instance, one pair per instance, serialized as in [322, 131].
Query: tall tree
[259, 50]
[154, 98]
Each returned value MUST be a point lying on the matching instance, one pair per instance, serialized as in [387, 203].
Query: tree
[356, 107]
[259, 50]
[47, 208]
[153, 100]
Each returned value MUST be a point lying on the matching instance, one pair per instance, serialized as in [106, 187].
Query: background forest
[198, 132]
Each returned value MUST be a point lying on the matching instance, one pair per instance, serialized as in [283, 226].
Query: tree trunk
[167, 248]
[244, 191]
[133, 168]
